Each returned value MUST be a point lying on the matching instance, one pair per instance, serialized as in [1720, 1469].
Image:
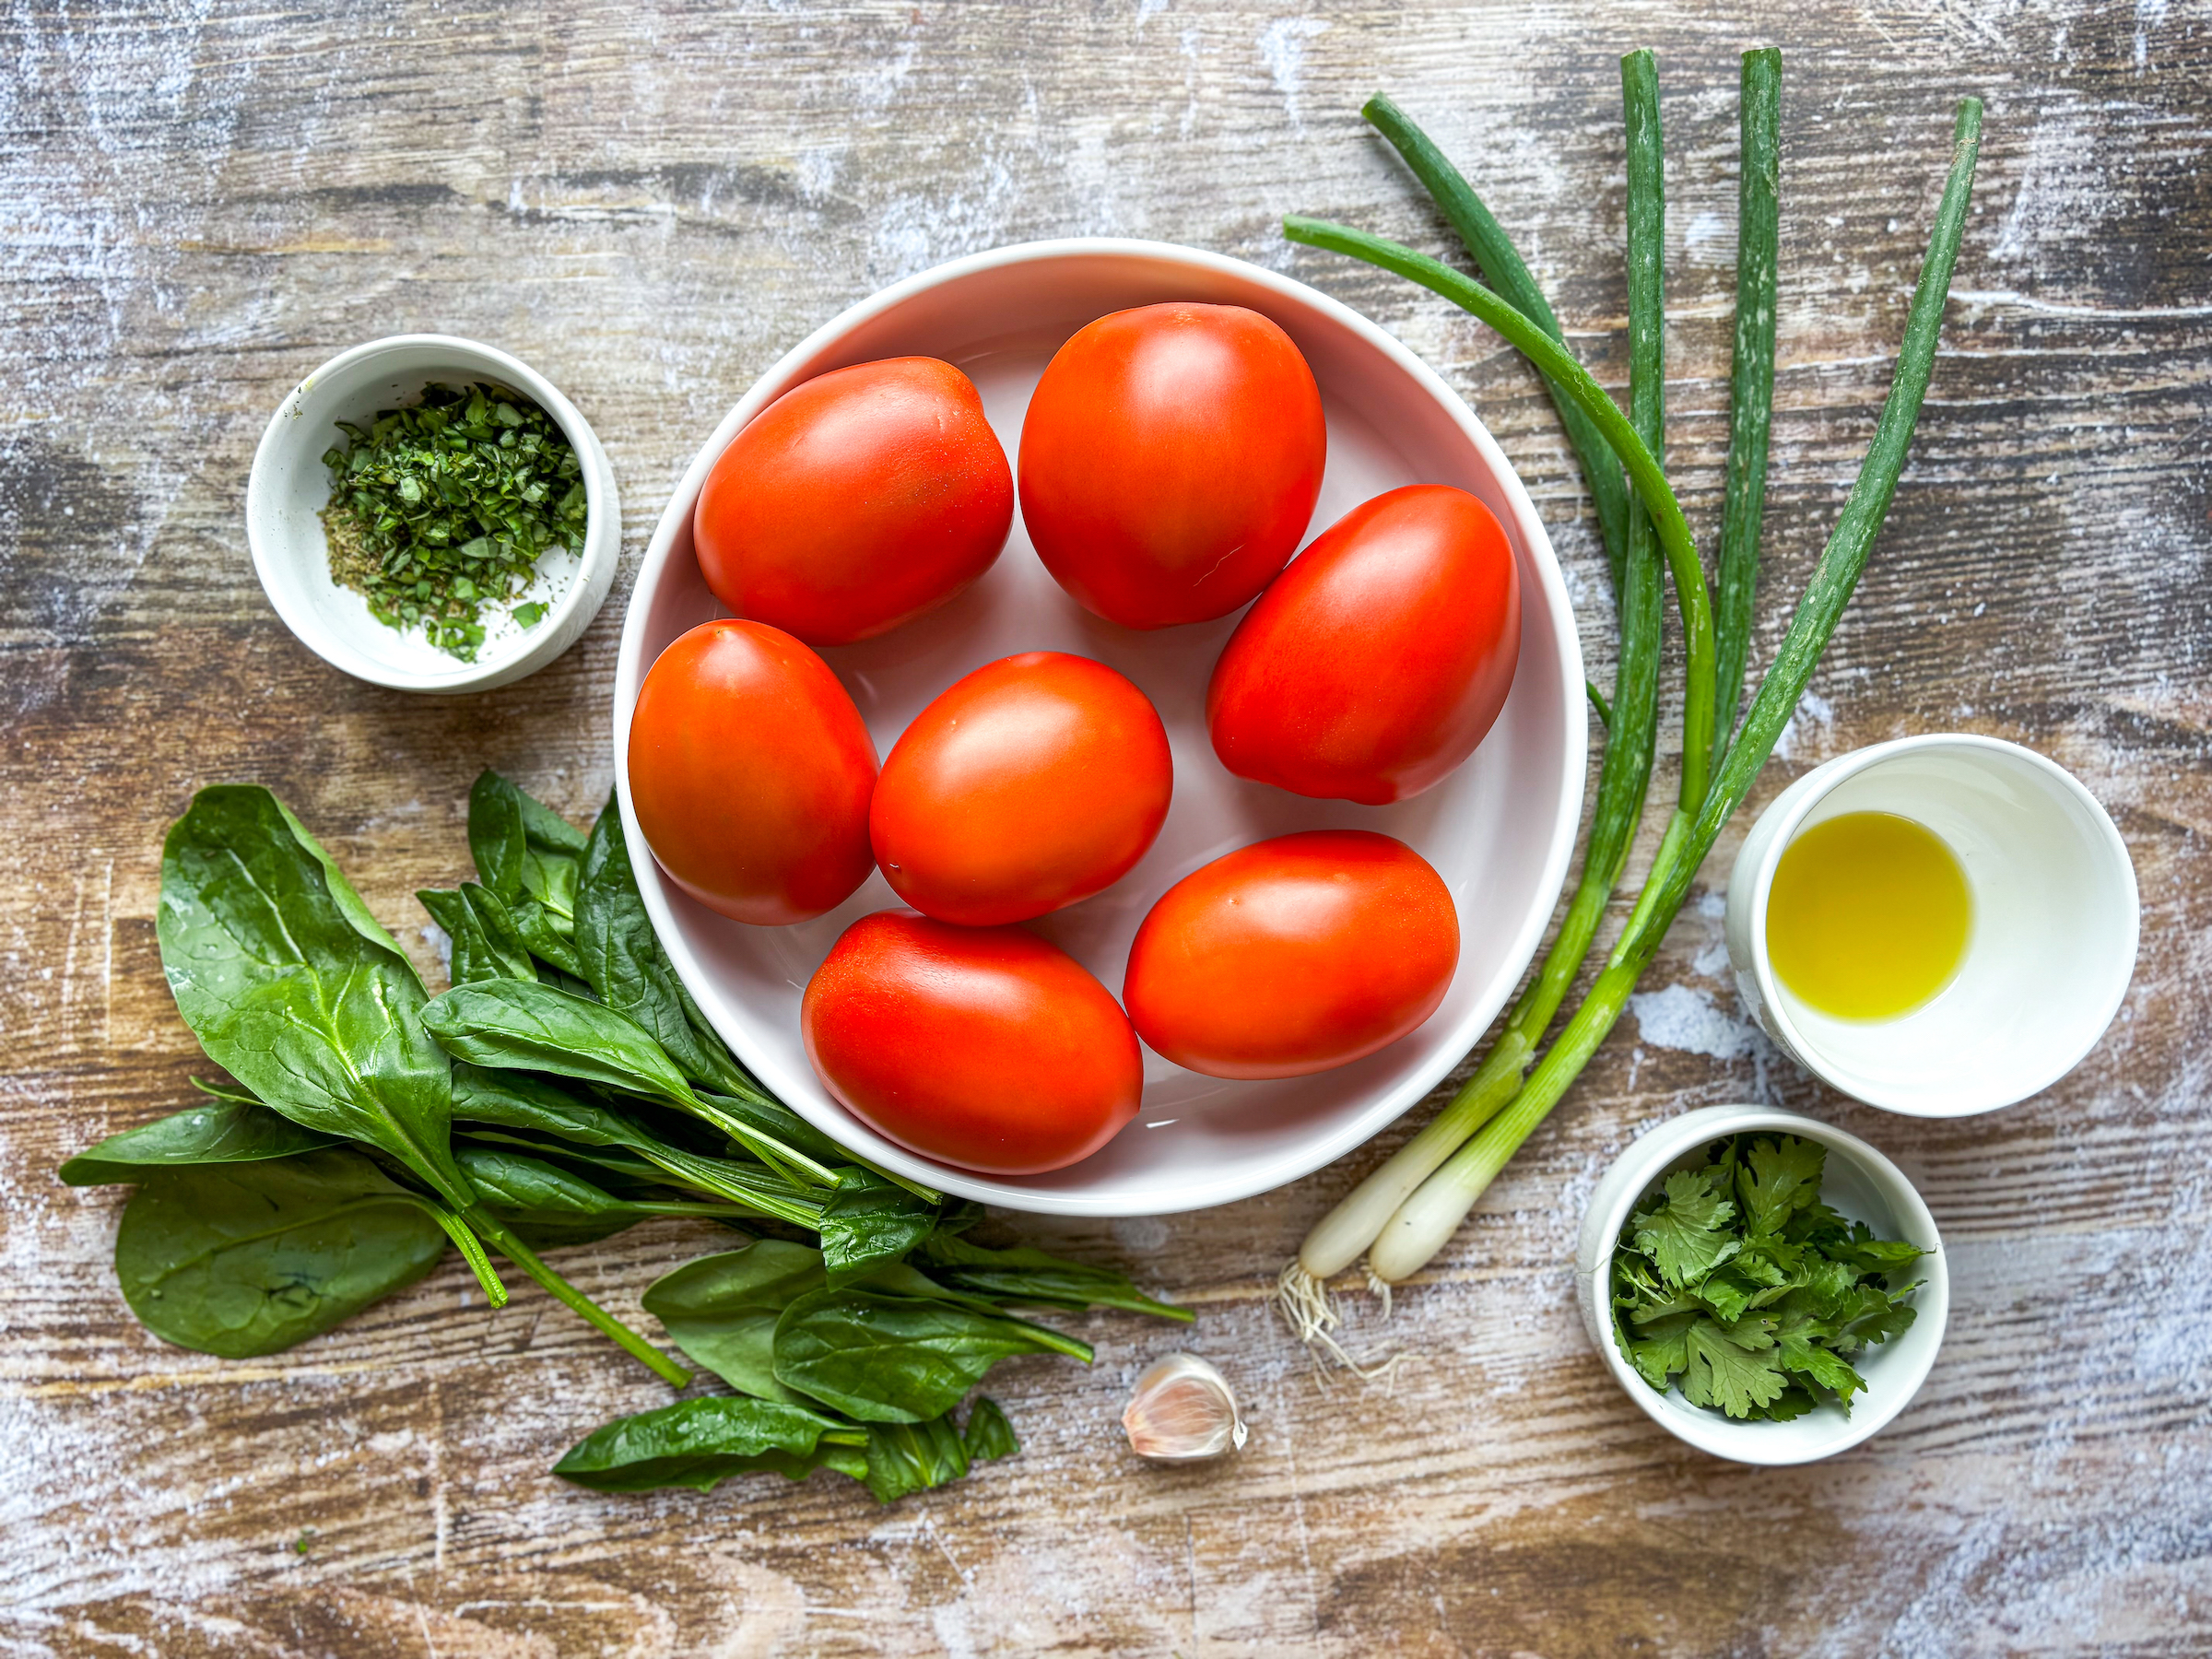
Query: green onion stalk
[1631, 721]
[1426, 1221]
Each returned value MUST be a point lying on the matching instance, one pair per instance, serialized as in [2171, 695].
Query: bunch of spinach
[869, 1360]
[1735, 1278]
[565, 1087]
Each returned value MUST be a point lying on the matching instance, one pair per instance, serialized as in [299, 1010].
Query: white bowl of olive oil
[1938, 926]
[289, 485]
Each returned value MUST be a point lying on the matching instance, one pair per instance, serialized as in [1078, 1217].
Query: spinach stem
[1429, 1219]
[472, 1252]
[583, 1306]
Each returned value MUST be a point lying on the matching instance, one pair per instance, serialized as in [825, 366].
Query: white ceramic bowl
[1500, 830]
[2051, 950]
[289, 485]
[1857, 1181]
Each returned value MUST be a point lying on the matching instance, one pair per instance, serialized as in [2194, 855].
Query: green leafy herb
[866, 1222]
[1753, 1302]
[1023, 1274]
[988, 1434]
[897, 1359]
[487, 943]
[293, 988]
[517, 1024]
[247, 1258]
[447, 505]
[701, 1442]
[225, 1130]
[549, 1206]
[515, 1099]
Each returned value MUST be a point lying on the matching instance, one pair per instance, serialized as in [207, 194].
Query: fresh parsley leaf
[1777, 1176]
[1686, 1237]
[1659, 1350]
[1731, 1368]
[1737, 1283]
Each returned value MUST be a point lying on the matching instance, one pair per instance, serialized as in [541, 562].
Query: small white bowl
[2051, 950]
[1862, 1184]
[1500, 830]
[289, 485]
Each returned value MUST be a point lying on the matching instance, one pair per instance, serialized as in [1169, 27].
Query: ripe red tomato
[983, 1047]
[1037, 780]
[857, 502]
[1169, 461]
[750, 770]
[1293, 956]
[1377, 662]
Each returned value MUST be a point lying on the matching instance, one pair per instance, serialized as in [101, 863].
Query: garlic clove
[1182, 1411]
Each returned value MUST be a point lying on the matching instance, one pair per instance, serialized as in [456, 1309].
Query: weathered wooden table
[650, 204]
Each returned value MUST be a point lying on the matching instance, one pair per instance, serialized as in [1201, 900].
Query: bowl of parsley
[432, 514]
[1765, 1286]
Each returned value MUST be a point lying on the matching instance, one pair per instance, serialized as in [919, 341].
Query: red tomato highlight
[1169, 462]
[984, 1048]
[1380, 659]
[857, 502]
[750, 770]
[1035, 782]
[1292, 956]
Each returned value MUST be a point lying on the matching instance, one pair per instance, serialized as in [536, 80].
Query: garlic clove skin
[1182, 1411]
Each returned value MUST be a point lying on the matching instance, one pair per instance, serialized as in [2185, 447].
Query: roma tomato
[1377, 662]
[983, 1047]
[857, 502]
[1169, 461]
[1037, 780]
[750, 772]
[1293, 956]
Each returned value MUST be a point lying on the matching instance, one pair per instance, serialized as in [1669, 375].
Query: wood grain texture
[650, 202]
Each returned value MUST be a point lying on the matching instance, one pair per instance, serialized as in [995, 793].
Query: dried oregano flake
[441, 508]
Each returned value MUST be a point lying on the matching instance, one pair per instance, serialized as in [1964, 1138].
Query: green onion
[1751, 382]
[1493, 251]
[1433, 1214]
[1632, 725]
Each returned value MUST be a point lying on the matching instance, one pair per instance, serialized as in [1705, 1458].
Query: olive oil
[1868, 915]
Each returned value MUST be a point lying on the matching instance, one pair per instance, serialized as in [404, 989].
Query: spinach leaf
[866, 1221]
[514, 1025]
[524, 851]
[619, 1173]
[515, 1100]
[509, 1023]
[722, 1310]
[988, 1434]
[896, 1359]
[225, 1130]
[700, 1442]
[913, 1457]
[487, 945]
[548, 1206]
[1031, 1275]
[244, 1259]
[292, 987]
[622, 959]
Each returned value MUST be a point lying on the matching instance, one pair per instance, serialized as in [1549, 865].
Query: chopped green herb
[445, 506]
[1738, 1280]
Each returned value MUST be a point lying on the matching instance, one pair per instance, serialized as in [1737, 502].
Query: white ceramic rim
[1724, 1437]
[587, 589]
[1846, 766]
[1355, 1130]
